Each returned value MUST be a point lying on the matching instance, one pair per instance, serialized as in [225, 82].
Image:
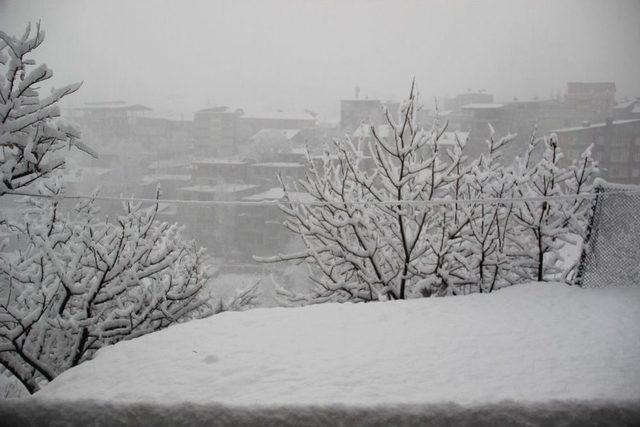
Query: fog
[169, 160]
[285, 54]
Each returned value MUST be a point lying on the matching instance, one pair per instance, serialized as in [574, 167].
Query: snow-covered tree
[371, 231]
[76, 283]
[484, 251]
[30, 138]
[544, 225]
[405, 214]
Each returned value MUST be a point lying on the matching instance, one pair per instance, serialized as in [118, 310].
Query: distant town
[230, 154]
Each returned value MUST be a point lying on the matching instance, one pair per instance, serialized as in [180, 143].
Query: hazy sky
[296, 54]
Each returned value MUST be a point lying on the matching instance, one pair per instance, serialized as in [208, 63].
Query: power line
[432, 202]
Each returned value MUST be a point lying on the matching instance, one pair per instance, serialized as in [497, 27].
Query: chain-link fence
[611, 251]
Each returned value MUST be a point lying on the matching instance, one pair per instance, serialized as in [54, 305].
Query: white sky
[296, 54]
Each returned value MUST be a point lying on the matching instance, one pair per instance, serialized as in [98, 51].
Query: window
[618, 155]
[617, 172]
[619, 140]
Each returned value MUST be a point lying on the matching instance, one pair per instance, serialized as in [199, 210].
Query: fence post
[595, 204]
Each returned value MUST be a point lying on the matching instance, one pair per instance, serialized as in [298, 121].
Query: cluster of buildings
[222, 155]
[587, 114]
[229, 155]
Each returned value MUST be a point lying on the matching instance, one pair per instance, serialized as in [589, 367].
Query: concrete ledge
[39, 412]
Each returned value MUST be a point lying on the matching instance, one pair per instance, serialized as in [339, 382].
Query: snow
[10, 387]
[276, 115]
[481, 106]
[275, 134]
[170, 163]
[277, 193]
[150, 179]
[449, 138]
[121, 106]
[81, 174]
[218, 188]
[595, 125]
[219, 161]
[364, 131]
[279, 165]
[530, 343]
[274, 193]
[225, 285]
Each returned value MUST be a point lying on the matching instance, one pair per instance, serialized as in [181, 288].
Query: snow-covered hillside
[530, 343]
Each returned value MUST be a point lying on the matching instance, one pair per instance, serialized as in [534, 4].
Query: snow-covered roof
[281, 115]
[170, 163]
[276, 193]
[174, 115]
[218, 109]
[625, 105]
[364, 131]
[275, 134]
[149, 179]
[596, 125]
[119, 107]
[218, 188]
[81, 173]
[278, 164]
[219, 161]
[481, 106]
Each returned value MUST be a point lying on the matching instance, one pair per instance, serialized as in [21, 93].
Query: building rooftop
[626, 105]
[251, 113]
[364, 131]
[277, 115]
[170, 163]
[279, 164]
[596, 125]
[149, 179]
[481, 106]
[219, 161]
[275, 134]
[362, 100]
[218, 188]
[113, 106]
[82, 173]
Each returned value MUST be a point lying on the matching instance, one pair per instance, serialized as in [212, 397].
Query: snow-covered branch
[78, 283]
[362, 246]
[29, 135]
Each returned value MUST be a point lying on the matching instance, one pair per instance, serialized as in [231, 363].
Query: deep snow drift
[531, 343]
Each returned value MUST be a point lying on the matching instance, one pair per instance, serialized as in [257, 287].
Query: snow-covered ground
[531, 343]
